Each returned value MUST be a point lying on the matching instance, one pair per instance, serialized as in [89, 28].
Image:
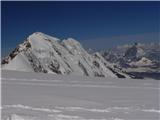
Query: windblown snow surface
[39, 96]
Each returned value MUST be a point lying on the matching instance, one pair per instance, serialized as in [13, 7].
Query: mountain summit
[46, 54]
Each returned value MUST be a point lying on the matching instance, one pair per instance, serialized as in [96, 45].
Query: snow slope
[43, 53]
[39, 96]
[142, 63]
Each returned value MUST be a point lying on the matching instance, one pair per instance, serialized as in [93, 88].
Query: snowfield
[39, 96]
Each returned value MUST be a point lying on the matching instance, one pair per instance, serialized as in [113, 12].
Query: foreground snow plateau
[39, 96]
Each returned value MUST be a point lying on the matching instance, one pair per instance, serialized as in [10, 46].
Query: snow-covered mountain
[136, 58]
[43, 53]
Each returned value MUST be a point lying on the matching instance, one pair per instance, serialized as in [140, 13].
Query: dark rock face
[119, 75]
[55, 67]
[96, 64]
[83, 68]
[131, 53]
[16, 51]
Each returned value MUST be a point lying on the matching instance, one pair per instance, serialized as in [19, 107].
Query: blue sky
[98, 25]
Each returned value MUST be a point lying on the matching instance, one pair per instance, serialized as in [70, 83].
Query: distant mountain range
[46, 54]
[142, 60]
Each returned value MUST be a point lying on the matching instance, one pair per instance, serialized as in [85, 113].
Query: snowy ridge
[46, 54]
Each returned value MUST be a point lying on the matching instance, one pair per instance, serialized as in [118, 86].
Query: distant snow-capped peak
[47, 54]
